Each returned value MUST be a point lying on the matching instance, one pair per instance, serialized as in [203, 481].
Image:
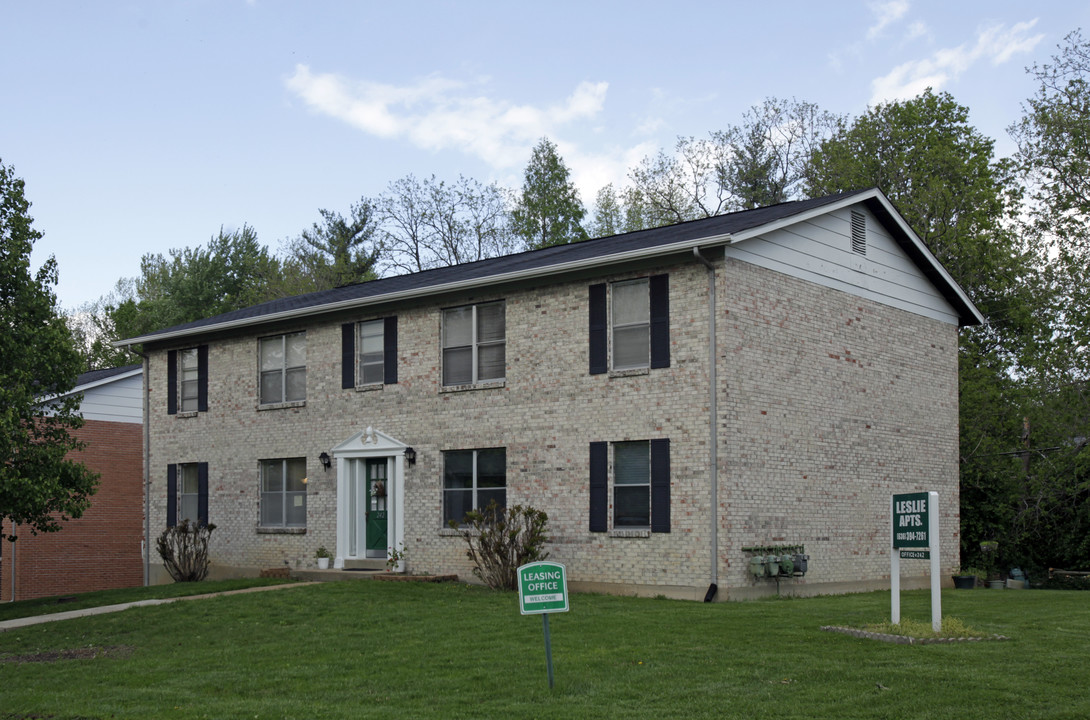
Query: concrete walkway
[103, 609]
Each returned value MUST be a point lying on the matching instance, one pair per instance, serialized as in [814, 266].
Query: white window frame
[475, 489]
[474, 345]
[188, 492]
[370, 329]
[188, 380]
[643, 323]
[284, 370]
[644, 482]
[285, 495]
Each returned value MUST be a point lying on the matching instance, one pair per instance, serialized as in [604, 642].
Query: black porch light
[410, 455]
[325, 460]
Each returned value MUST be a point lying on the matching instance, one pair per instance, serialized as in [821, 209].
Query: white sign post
[914, 530]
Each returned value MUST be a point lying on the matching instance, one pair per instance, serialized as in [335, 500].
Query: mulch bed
[417, 578]
[87, 653]
[905, 639]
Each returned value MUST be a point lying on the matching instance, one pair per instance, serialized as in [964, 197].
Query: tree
[759, 162]
[94, 326]
[428, 224]
[232, 271]
[608, 213]
[336, 252]
[549, 211]
[40, 488]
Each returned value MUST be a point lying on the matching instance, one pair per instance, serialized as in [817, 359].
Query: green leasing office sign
[543, 588]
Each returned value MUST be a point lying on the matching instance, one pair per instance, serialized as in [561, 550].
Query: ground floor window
[471, 480]
[284, 492]
[630, 485]
[187, 493]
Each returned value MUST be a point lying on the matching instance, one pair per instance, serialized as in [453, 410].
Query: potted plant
[964, 579]
[323, 556]
[989, 549]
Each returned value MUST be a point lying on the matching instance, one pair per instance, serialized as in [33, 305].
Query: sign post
[543, 589]
[914, 530]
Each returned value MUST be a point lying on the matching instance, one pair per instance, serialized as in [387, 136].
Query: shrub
[503, 539]
[184, 549]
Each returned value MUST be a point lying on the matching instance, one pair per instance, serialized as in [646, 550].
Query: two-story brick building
[670, 398]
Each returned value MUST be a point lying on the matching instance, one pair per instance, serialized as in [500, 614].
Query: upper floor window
[471, 480]
[188, 375]
[283, 368]
[630, 324]
[187, 380]
[474, 343]
[369, 353]
[284, 492]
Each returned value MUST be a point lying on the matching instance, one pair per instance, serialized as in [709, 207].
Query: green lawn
[406, 650]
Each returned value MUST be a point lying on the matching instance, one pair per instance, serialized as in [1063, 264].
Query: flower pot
[323, 563]
[964, 582]
[996, 584]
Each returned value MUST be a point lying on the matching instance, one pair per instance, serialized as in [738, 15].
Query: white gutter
[537, 272]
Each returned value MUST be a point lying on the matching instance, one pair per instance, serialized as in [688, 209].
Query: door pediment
[369, 443]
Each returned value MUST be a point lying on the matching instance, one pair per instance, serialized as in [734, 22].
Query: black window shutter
[389, 350]
[599, 329]
[599, 486]
[202, 378]
[348, 356]
[659, 287]
[202, 494]
[660, 486]
[172, 495]
[172, 382]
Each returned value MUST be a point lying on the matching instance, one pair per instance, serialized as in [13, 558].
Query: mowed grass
[405, 650]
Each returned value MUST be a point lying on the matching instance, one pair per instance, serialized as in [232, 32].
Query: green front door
[377, 491]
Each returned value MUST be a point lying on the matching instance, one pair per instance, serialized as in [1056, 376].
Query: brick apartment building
[102, 549]
[672, 398]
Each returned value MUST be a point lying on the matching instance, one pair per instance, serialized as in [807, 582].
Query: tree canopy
[40, 487]
[548, 211]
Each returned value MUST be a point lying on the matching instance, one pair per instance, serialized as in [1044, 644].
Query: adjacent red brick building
[104, 548]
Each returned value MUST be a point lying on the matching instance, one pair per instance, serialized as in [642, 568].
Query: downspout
[713, 462]
[147, 455]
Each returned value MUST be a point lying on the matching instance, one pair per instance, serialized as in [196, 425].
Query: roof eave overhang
[575, 266]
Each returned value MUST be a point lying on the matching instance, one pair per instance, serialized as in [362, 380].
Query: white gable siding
[116, 401]
[820, 250]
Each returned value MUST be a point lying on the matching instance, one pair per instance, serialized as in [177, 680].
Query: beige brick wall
[826, 404]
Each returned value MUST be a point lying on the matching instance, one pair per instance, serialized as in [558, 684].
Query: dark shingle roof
[95, 376]
[525, 262]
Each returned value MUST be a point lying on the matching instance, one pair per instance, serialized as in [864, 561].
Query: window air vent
[859, 233]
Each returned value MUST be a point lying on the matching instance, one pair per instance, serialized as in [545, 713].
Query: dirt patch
[87, 653]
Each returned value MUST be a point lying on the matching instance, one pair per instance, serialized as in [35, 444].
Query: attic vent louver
[859, 233]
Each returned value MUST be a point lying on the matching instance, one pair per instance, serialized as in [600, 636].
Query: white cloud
[436, 113]
[994, 43]
[887, 12]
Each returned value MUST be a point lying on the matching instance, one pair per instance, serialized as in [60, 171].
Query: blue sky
[145, 126]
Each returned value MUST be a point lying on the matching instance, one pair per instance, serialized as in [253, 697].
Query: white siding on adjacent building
[114, 400]
[820, 250]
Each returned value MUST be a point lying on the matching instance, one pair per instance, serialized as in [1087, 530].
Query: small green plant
[321, 552]
[184, 550]
[503, 539]
[395, 556]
